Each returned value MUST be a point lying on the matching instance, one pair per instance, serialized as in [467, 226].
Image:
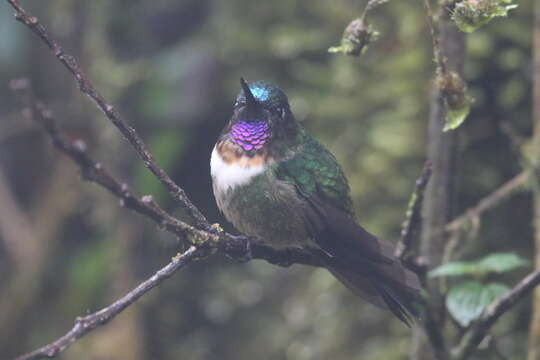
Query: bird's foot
[241, 249]
[247, 255]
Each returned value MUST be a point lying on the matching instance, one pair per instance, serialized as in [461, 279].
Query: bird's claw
[247, 255]
[240, 250]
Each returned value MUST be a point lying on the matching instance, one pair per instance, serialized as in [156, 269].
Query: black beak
[251, 102]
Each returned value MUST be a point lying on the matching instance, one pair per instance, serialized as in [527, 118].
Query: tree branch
[460, 224]
[413, 219]
[110, 112]
[478, 331]
[489, 202]
[437, 208]
[85, 324]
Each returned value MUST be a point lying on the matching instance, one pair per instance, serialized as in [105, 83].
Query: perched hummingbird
[276, 182]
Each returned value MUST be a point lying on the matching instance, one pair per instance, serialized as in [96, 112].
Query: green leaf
[493, 263]
[356, 38]
[502, 262]
[455, 268]
[466, 301]
[456, 116]
[469, 15]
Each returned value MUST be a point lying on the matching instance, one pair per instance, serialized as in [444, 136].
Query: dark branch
[469, 221]
[489, 202]
[433, 332]
[440, 60]
[85, 324]
[412, 221]
[478, 331]
[448, 51]
[129, 132]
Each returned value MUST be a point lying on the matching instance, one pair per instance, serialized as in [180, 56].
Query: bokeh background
[172, 69]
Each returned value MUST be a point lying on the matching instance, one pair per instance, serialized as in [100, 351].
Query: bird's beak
[251, 102]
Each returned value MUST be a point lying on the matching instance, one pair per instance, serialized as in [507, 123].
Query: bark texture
[439, 197]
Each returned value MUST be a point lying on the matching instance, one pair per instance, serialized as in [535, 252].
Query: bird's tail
[365, 263]
[387, 285]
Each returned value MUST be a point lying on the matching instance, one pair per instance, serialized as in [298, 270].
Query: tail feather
[360, 286]
[400, 307]
[363, 262]
[399, 294]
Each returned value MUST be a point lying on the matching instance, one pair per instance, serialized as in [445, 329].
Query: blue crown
[266, 93]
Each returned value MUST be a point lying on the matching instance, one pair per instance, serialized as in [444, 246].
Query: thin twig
[478, 331]
[440, 60]
[413, 219]
[489, 202]
[86, 87]
[467, 225]
[85, 324]
[458, 227]
[371, 4]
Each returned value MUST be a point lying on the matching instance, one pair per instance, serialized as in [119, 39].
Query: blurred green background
[172, 69]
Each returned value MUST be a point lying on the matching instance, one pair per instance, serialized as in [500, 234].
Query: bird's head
[261, 115]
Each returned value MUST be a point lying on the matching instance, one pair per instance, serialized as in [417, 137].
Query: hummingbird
[274, 181]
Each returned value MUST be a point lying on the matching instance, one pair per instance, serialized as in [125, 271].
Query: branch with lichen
[412, 222]
[87, 87]
[85, 324]
[469, 15]
[358, 35]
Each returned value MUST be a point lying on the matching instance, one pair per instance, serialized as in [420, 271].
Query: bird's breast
[231, 166]
[251, 197]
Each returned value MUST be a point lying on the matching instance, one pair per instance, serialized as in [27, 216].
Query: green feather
[315, 171]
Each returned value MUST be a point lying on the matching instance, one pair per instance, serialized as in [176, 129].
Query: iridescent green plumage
[315, 171]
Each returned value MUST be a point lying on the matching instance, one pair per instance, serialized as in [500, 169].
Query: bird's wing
[320, 180]
[316, 172]
[363, 262]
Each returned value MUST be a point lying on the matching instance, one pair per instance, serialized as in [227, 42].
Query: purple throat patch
[250, 135]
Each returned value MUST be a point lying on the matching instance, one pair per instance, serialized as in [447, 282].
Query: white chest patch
[228, 176]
